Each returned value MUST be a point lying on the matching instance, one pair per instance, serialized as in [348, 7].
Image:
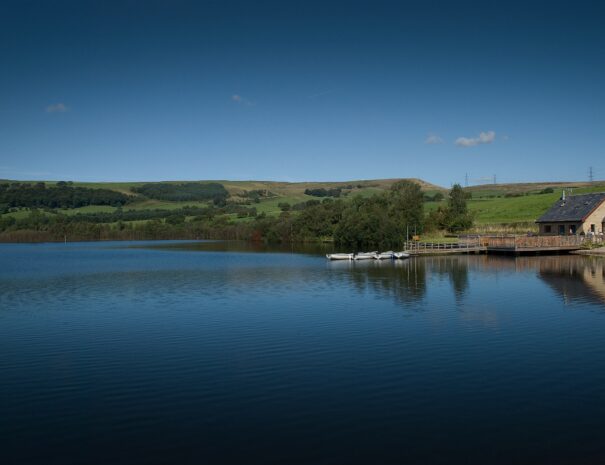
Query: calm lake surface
[168, 353]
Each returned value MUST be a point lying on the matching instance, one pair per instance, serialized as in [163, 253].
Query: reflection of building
[575, 278]
[575, 214]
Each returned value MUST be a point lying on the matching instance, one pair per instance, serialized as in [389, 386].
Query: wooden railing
[431, 247]
[509, 242]
[532, 242]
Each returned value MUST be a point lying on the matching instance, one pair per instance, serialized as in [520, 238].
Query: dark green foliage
[384, 220]
[381, 221]
[188, 191]
[64, 195]
[318, 220]
[256, 194]
[406, 205]
[438, 197]
[175, 219]
[302, 205]
[455, 217]
[321, 192]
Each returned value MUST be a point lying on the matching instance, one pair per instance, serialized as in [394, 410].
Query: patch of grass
[512, 209]
[87, 209]
[150, 204]
[270, 206]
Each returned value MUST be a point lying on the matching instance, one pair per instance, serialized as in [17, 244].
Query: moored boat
[385, 255]
[401, 255]
[365, 255]
[339, 256]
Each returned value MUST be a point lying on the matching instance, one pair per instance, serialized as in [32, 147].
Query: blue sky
[296, 91]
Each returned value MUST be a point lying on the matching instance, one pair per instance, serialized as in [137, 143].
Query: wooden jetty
[508, 244]
[443, 248]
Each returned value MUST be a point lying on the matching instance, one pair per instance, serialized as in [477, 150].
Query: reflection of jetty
[510, 244]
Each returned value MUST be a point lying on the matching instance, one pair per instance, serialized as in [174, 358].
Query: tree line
[188, 191]
[383, 220]
[63, 195]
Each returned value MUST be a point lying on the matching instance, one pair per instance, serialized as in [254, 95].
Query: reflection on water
[575, 279]
[404, 281]
[224, 353]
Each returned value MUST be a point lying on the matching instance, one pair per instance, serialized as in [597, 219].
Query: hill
[497, 206]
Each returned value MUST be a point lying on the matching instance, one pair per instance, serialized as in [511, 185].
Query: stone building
[575, 214]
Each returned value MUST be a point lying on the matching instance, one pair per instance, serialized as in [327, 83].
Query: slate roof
[573, 208]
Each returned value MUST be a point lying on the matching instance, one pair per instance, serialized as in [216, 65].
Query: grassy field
[499, 204]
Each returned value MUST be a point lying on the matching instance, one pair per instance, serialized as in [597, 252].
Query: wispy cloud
[241, 100]
[320, 94]
[483, 138]
[57, 108]
[432, 139]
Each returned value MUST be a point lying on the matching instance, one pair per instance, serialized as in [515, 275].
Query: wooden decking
[516, 245]
[436, 248]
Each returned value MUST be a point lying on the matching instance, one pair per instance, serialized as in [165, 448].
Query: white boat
[385, 255]
[401, 255]
[365, 255]
[339, 256]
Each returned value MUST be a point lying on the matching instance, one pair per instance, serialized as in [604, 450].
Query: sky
[302, 91]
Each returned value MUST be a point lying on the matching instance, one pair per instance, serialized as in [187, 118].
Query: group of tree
[187, 191]
[455, 216]
[323, 192]
[436, 197]
[61, 195]
[383, 220]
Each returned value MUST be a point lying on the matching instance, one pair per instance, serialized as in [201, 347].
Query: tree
[406, 207]
[456, 216]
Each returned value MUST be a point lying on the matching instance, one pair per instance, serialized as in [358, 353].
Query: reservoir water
[216, 353]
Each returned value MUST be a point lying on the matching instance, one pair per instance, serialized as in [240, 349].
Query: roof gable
[573, 208]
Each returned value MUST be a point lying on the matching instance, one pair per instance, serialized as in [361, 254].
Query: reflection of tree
[403, 281]
[456, 269]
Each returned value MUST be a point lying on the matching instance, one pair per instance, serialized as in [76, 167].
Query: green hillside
[493, 205]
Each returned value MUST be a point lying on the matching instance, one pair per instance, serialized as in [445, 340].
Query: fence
[532, 242]
[504, 242]
[442, 247]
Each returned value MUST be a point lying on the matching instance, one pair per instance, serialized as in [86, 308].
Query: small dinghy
[385, 255]
[365, 255]
[339, 256]
[401, 255]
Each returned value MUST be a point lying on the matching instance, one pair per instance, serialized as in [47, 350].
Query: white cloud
[57, 108]
[241, 100]
[433, 139]
[483, 138]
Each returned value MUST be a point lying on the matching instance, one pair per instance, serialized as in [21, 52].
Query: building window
[561, 230]
[547, 229]
[593, 228]
[572, 229]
